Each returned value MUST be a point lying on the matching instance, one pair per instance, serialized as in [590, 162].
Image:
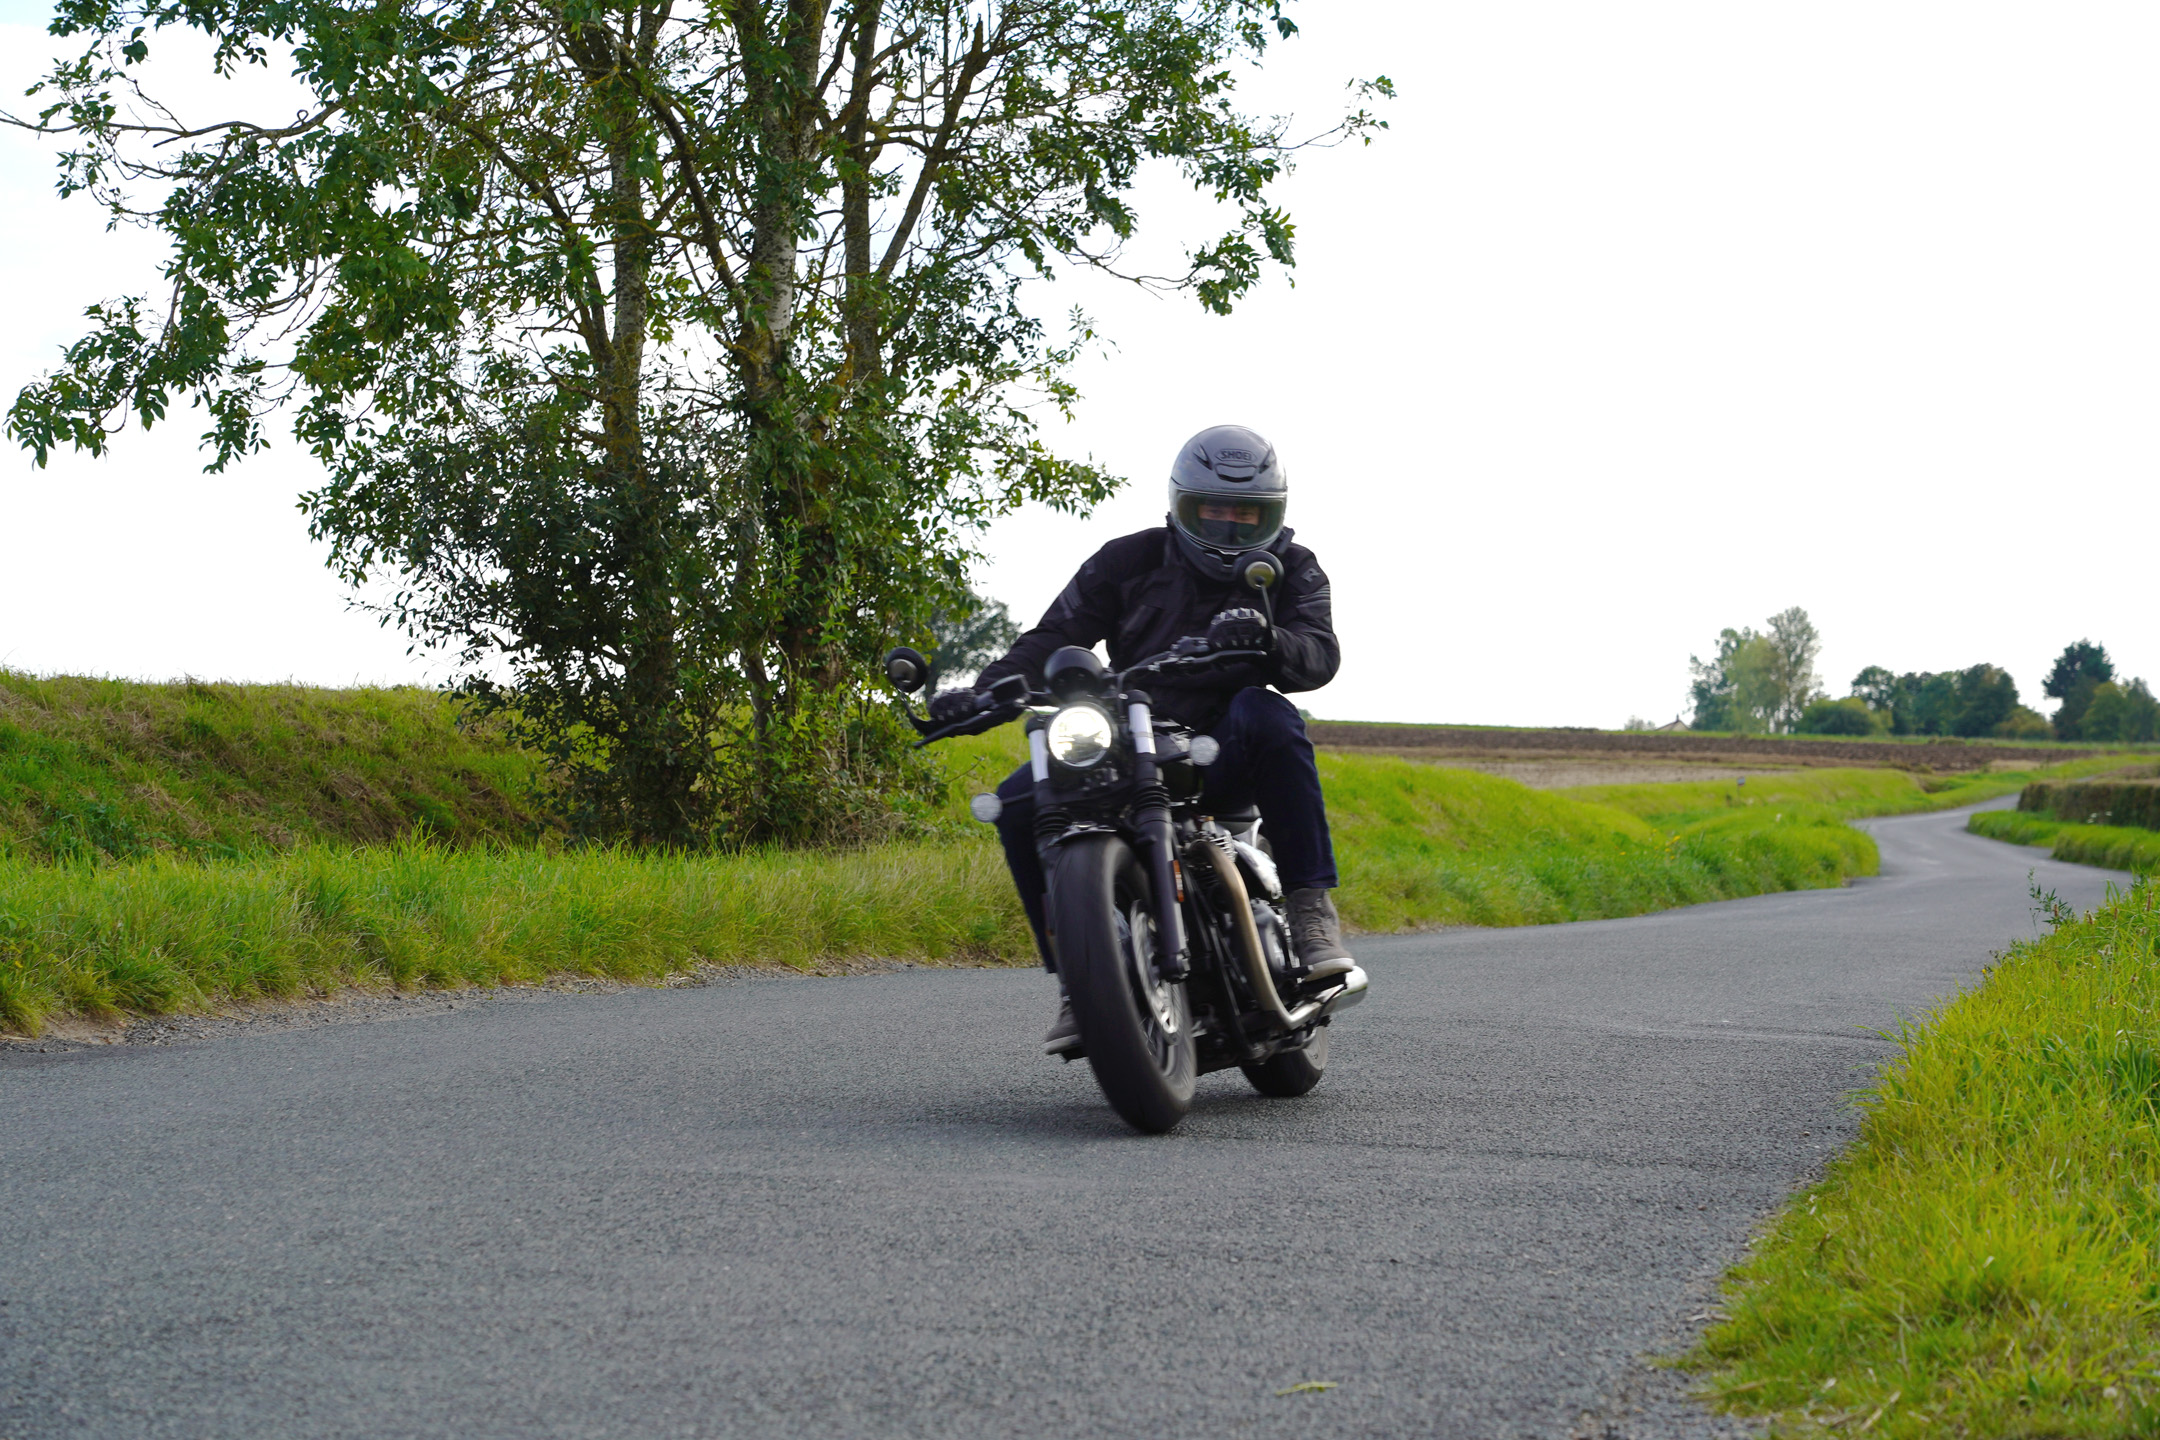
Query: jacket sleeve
[1307, 654]
[1084, 613]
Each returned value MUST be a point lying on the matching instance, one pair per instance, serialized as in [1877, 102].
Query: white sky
[1643, 320]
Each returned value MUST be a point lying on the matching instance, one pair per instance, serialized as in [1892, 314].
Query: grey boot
[1316, 935]
[1064, 1036]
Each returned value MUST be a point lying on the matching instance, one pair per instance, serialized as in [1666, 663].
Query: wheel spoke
[1161, 1005]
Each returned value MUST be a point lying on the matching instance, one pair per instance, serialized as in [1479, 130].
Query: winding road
[867, 1207]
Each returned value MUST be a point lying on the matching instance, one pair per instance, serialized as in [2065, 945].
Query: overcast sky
[1641, 321]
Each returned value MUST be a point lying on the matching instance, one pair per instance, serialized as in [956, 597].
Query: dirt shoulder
[1682, 748]
[1564, 772]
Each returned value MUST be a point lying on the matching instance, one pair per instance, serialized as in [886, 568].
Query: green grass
[166, 934]
[121, 769]
[2116, 847]
[1420, 845]
[1985, 1259]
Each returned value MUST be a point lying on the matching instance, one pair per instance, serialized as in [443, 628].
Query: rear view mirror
[907, 669]
[1259, 570]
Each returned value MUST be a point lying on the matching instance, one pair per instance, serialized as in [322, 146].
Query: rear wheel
[1137, 1029]
[1290, 1072]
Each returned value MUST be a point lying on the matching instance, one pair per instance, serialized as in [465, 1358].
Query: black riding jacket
[1138, 594]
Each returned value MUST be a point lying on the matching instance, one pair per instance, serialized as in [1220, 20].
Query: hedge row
[2096, 802]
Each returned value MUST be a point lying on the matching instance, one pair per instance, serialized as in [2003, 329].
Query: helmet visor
[1230, 522]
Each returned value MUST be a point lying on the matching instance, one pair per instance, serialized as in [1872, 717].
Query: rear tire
[1137, 1030]
[1290, 1073]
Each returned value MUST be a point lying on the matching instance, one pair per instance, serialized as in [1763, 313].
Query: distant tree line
[1978, 700]
[1761, 683]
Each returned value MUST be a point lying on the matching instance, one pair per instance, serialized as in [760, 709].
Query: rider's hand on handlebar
[948, 706]
[1242, 628]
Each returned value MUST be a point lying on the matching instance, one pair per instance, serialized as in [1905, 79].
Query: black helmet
[1227, 495]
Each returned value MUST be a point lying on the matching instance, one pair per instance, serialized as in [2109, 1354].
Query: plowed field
[1433, 741]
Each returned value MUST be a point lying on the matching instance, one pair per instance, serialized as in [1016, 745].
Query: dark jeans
[1266, 760]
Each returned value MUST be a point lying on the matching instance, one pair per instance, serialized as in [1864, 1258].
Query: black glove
[949, 705]
[1241, 629]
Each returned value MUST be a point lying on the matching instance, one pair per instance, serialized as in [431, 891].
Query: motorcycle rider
[1142, 593]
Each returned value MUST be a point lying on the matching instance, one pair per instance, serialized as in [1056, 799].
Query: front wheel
[1137, 1029]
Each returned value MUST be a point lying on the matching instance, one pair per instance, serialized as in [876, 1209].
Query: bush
[2024, 723]
[1849, 716]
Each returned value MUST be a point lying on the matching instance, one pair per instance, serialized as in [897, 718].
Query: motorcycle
[1166, 923]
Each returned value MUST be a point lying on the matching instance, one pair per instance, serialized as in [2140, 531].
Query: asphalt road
[866, 1207]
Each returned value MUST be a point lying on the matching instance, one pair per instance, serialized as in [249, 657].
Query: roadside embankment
[1985, 1259]
[120, 769]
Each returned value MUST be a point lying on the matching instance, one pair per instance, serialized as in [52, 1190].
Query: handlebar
[1000, 709]
[1172, 661]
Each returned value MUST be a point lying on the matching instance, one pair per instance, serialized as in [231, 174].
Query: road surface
[867, 1207]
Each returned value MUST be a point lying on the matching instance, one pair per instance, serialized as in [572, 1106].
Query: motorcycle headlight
[1080, 735]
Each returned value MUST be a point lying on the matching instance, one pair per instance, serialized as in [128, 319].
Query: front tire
[1137, 1030]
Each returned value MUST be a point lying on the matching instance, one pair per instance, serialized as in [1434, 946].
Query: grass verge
[1418, 845]
[1985, 1259]
[2116, 847]
[165, 934]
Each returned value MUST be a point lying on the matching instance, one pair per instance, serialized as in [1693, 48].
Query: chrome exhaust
[1217, 848]
[1214, 846]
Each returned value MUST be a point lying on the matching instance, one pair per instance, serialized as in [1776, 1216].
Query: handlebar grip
[975, 724]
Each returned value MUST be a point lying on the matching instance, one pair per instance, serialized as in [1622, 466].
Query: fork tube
[1151, 818]
[1049, 821]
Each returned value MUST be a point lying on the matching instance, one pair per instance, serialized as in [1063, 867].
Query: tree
[2122, 713]
[668, 358]
[968, 638]
[1796, 643]
[1986, 696]
[1711, 696]
[1757, 682]
[2079, 671]
[1878, 687]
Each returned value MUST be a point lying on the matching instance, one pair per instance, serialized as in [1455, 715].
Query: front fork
[1151, 818]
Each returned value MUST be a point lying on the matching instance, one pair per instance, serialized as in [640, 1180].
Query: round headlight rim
[1107, 731]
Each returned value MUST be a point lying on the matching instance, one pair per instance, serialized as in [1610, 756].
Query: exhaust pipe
[1216, 849]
